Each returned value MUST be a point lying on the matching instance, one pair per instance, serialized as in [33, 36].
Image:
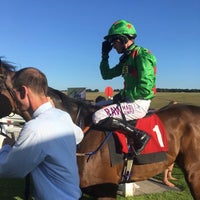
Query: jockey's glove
[117, 98]
[106, 48]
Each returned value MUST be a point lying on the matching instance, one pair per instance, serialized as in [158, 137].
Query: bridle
[4, 86]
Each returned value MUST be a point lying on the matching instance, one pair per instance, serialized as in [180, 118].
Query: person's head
[121, 34]
[30, 88]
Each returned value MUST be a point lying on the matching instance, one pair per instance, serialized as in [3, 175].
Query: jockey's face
[118, 46]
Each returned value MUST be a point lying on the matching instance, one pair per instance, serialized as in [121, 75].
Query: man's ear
[22, 92]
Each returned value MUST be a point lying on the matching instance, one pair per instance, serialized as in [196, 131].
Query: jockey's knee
[97, 117]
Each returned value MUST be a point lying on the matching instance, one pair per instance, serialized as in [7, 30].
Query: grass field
[162, 98]
[12, 189]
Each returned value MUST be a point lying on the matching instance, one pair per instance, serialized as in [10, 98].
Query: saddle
[154, 151]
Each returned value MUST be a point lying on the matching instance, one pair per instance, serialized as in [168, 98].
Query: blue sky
[63, 38]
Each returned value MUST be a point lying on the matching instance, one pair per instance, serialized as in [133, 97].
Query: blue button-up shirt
[46, 148]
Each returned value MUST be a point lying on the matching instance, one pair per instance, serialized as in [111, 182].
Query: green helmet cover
[121, 27]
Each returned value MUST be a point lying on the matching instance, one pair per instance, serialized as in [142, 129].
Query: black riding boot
[140, 137]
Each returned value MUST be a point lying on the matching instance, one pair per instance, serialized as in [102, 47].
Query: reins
[89, 154]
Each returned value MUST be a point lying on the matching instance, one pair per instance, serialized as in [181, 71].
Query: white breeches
[131, 110]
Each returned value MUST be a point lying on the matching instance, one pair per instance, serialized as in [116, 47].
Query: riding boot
[140, 137]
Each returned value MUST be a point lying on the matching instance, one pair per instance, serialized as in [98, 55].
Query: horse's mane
[67, 102]
[7, 65]
[75, 107]
[59, 98]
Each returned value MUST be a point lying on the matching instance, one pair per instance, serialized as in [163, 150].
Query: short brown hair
[32, 78]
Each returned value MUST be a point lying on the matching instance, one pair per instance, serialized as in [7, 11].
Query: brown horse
[98, 177]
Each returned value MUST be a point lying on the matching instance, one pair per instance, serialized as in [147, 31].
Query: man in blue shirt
[46, 146]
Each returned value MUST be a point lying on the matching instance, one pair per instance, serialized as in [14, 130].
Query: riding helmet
[121, 28]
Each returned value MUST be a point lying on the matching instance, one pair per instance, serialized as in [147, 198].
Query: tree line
[158, 90]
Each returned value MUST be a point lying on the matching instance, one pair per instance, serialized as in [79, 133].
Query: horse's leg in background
[167, 175]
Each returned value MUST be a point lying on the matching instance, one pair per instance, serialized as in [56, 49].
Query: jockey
[137, 66]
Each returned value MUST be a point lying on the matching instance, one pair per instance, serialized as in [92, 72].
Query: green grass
[162, 98]
[13, 189]
[184, 194]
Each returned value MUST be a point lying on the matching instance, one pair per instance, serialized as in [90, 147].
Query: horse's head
[7, 103]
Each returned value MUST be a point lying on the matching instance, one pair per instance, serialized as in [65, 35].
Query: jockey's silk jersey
[138, 68]
[46, 148]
